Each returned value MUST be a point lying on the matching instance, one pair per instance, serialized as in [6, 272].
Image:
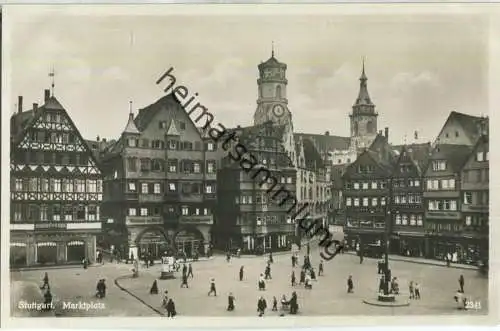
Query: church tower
[363, 117]
[272, 104]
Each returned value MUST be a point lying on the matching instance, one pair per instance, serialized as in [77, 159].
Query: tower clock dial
[278, 110]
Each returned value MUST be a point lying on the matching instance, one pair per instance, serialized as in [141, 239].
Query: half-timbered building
[56, 188]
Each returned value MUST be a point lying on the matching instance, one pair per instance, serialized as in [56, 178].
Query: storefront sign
[50, 226]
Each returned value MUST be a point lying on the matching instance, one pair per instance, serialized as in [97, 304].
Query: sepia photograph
[177, 163]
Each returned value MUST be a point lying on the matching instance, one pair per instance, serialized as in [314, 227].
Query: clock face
[278, 110]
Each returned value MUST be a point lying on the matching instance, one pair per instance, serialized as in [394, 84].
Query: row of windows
[174, 145]
[476, 221]
[443, 227]
[410, 198]
[443, 184]
[450, 205]
[374, 185]
[411, 219]
[184, 210]
[356, 223]
[172, 187]
[43, 136]
[477, 198]
[57, 185]
[180, 124]
[365, 201]
[55, 212]
[482, 156]
[53, 158]
[439, 165]
[403, 182]
[173, 165]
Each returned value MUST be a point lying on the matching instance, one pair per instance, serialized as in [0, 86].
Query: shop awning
[411, 234]
[46, 244]
[18, 244]
[76, 243]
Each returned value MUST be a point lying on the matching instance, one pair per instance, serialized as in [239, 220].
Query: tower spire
[52, 74]
[272, 48]
[130, 106]
[363, 96]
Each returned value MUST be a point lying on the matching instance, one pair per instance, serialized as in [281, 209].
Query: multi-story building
[367, 195]
[160, 183]
[248, 217]
[56, 188]
[407, 208]
[442, 199]
[475, 203]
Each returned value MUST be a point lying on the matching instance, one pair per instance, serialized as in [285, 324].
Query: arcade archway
[189, 241]
[153, 242]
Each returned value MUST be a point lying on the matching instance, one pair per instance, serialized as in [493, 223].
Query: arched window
[278, 91]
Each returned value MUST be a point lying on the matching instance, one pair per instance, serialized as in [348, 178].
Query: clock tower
[272, 104]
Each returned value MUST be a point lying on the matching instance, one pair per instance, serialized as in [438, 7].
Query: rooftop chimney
[35, 107]
[46, 95]
[20, 104]
[386, 133]
[327, 133]
[97, 138]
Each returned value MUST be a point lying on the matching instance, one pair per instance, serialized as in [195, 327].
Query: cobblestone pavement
[328, 296]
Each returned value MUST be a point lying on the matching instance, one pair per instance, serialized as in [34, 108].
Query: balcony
[196, 219]
[151, 198]
[448, 215]
[143, 220]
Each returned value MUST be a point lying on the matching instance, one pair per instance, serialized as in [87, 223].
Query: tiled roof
[148, 113]
[326, 143]
[456, 155]
[312, 156]
[471, 124]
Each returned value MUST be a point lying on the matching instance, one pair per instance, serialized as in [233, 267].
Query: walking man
[212, 287]
[320, 268]
[417, 291]
[302, 279]
[190, 271]
[268, 272]
[350, 285]
[294, 258]
[275, 304]
[184, 281]
[461, 282]
[412, 290]
[230, 302]
[241, 273]
[293, 278]
[184, 269]
[261, 306]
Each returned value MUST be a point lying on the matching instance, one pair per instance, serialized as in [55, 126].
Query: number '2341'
[469, 304]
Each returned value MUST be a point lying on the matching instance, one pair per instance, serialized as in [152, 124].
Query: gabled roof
[385, 167]
[455, 155]
[481, 141]
[419, 154]
[312, 156]
[326, 143]
[472, 125]
[383, 151]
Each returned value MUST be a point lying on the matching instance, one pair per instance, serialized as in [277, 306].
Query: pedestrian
[190, 271]
[293, 278]
[154, 288]
[212, 287]
[241, 273]
[184, 281]
[302, 279]
[312, 273]
[45, 282]
[412, 290]
[85, 263]
[461, 282]
[261, 306]
[381, 284]
[361, 258]
[293, 261]
[320, 268]
[275, 304]
[271, 257]
[171, 308]
[228, 256]
[294, 306]
[184, 269]
[350, 284]
[307, 283]
[417, 291]
[101, 289]
[262, 283]
[164, 301]
[268, 272]
[230, 302]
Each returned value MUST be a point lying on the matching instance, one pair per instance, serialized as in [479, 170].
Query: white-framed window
[453, 205]
[451, 184]
[374, 185]
[480, 156]
[416, 183]
[249, 199]
[144, 188]
[196, 168]
[468, 220]
[157, 188]
[374, 202]
[205, 211]
[403, 199]
[432, 184]
[398, 219]
[433, 205]
[172, 187]
[404, 219]
[208, 189]
[131, 187]
[132, 142]
[356, 202]
[439, 165]
[132, 211]
[356, 186]
[487, 156]
[365, 202]
[382, 201]
[243, 199]
[348, 201]
[172, 167]
[420, 220]
[185, 210]
[210, 146]
[172, 144]
[467, 198]
[413, 220]
[365, 185]
[144, 212]
[197, 211]
[289, 180]
[397, 199]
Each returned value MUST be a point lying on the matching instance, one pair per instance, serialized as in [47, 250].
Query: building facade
[475, 203]
[442, 200]
[56, 188]
[160, 183]
[407, 237]
[250, 216]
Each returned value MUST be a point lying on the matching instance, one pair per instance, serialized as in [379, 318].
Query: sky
[419, 68]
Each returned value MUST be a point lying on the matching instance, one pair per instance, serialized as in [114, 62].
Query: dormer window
[480, 156]
[162, 124]
[132, 142]
[439, 165]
